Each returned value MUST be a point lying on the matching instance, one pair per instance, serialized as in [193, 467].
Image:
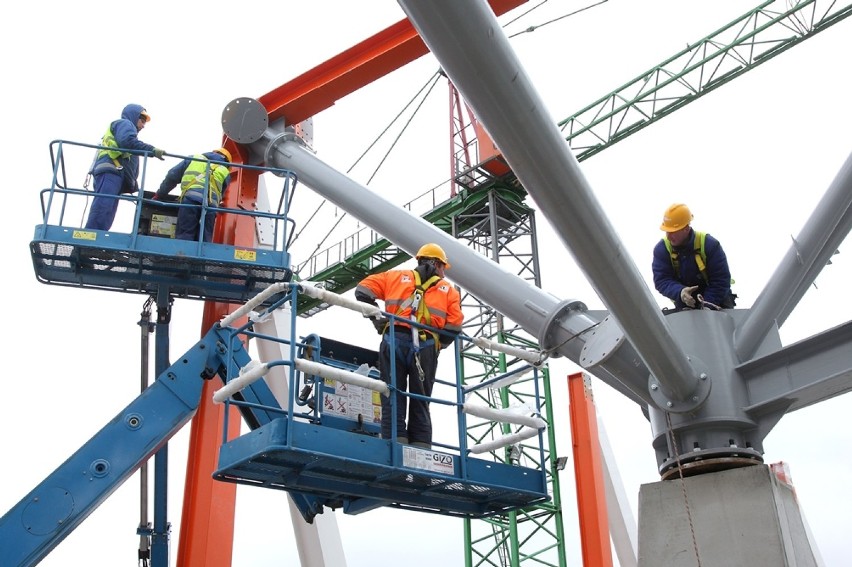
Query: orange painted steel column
[207, 522]
[588, 473]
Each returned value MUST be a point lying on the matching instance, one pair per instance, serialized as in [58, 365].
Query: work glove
[155, 197]
[158, 153]
[686, 295]
[379, 324]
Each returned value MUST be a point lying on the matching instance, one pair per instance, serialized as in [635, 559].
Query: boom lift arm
[43, 518]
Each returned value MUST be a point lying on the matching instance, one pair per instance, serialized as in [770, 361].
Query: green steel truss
[768, 30]
[504, 230]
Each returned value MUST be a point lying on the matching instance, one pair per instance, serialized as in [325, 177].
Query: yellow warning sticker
[245, 255]
[163, 225]
[84, 235]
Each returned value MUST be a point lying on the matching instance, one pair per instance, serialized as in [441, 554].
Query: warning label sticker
[84, 235]
[349, 402]
[245, 255]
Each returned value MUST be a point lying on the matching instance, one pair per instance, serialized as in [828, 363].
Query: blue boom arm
[45, 516]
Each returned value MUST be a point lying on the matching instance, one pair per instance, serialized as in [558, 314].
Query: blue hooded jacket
[124, 131]
[717, 288]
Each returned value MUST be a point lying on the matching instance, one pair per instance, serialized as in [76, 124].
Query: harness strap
[419, 309]
[700, 255]
[413, 353]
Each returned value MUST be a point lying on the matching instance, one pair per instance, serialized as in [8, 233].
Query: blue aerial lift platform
[148, 256]
[322, 458]
[344, 463]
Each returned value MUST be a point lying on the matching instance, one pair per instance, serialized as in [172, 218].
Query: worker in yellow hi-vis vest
[203, 177]
[115, 169]
[690, 267]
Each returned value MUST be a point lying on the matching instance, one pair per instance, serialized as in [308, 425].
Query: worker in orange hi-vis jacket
[421, 295]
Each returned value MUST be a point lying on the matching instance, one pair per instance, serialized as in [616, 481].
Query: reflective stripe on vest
[196, 175]
[109, 141]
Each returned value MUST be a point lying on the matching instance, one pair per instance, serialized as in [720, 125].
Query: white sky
[752, 159]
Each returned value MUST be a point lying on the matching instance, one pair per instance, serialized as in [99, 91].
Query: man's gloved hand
[155, 197]
[686, 295]
[379, 324]
[158, 153]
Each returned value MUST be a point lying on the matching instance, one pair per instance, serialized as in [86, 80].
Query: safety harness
[113, 153]
[109, 141]
[420, 311]
[701, 263]
[700, 255]
[201, 174]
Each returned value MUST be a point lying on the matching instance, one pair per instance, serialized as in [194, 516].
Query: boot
[422, 444]
[400, 440]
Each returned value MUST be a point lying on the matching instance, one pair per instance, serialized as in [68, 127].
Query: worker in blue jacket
[690, 267]
[115, 169]
[198, 175]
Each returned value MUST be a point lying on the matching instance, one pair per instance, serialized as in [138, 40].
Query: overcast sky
[751, 159]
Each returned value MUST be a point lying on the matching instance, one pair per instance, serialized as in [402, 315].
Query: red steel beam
[318, 89]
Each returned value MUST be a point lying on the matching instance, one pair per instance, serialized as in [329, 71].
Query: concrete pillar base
[743, 516]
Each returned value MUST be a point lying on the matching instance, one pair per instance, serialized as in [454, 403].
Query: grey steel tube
[475, 53]
[516, 298]
[560, 323]
[828, 225]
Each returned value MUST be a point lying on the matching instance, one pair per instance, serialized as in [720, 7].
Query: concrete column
[742, 516]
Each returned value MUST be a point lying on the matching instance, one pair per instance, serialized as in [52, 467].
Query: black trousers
[401, 363]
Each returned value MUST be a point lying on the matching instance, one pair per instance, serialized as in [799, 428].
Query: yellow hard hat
[433, 251]
[676, 217]
[145, 115]
[225, 153]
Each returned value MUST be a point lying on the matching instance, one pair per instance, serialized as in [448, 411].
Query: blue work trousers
[102, 213]
[419, 427]
[189, 219]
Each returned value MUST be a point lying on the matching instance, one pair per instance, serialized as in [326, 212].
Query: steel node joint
[601, 343]
[667, 401]
[244, 120]
[551, 339]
